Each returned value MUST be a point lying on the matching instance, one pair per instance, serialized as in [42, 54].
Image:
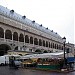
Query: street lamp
[64, 40]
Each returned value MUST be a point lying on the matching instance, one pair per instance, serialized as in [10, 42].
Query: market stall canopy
[44, 55]
[13, 55]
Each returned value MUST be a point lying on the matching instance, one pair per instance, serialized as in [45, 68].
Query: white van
[4, 60]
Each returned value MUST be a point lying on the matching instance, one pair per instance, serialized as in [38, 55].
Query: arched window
[16, 48]
[31, 40]
[26, 39]
[68, 50]
[8, 34]
[45, 51]
[55, 46]
[21, 38]
[43, 43]
[49, 45]
[46, 43]
[15, 36]
[59, 47]
[1, 33]
[38, 51]
[62, 47]
[40, 42]
[35, 41]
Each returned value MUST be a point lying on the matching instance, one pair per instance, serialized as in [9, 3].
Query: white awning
[44, 55]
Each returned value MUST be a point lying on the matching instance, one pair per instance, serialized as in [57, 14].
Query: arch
[15, 36]
[1, 33]
[43, 43]
[49, 45]
[62, 47]
[31, 40]
[38, 51]
[35, 41]
[45, 51]
[26, 39]
[4, 48]
[8, 34]
[40, 42]
[68, 50]
[46, 43]
[20, 54]
[53, 45]
[21, 38]
[57, 46]
[16, 48]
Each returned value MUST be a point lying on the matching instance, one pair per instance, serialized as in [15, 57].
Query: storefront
[71, 62]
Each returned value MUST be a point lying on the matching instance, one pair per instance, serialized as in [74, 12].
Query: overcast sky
[57, 15]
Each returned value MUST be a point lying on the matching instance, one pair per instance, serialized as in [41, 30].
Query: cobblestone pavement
[5, 70]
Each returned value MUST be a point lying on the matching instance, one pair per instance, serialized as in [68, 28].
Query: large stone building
[18, 33]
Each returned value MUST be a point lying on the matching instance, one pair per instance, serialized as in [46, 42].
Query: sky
[57, 15]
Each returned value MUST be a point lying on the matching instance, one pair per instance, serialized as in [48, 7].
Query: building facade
[19, 33]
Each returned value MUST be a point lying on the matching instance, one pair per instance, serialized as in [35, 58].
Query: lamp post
[64, 40]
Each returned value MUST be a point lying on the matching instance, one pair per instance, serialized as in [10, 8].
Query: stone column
[4, 35]
[12, 36]
[19, 48]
